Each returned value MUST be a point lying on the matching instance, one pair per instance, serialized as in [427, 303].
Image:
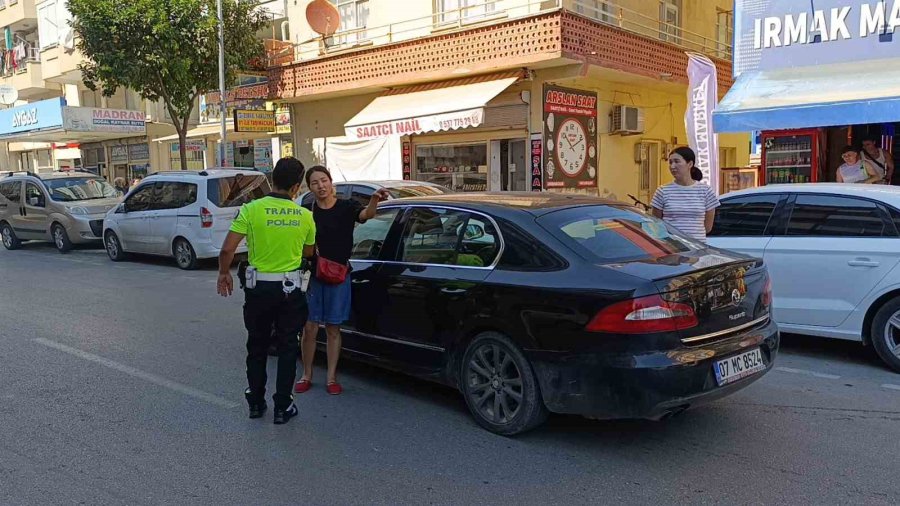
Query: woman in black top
[329, 304]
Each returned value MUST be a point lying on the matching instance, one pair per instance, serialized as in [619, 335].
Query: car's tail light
[642, 316]
[767, 294]
[206, 218]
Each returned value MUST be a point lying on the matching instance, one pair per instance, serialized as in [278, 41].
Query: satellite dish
[323, 17]
[8, 94]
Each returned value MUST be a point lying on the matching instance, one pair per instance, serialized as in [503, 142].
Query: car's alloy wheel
[886, 333]
[61, 239]
[10, 241]
[114, 247]
[500, 387]
[184, 254]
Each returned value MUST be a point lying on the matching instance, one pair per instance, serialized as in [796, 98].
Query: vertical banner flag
[703, 95]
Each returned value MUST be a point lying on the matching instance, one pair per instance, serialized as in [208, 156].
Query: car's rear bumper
[651, 385]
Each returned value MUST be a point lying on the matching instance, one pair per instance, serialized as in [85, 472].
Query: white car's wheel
[886, 333]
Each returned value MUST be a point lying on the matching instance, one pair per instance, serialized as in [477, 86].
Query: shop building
[812, 79]
[481, 96]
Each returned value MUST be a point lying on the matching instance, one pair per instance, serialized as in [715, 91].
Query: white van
[181, 214]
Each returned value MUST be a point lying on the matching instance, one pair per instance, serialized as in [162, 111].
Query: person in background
[687, 204]
[329, 304]
[121, 185]
[137, 181]
[881, 161]
[855, 169]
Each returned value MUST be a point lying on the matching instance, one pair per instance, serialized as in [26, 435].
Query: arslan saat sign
[772, 34]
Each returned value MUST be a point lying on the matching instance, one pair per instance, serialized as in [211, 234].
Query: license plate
[739, 366]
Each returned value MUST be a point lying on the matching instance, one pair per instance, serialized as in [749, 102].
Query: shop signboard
[189, 146]
[776, 34]
[283, 119]
[246, 120]
[262, 155]
[418, 125]
[138, 152]
[92, 119]
[118, 154]
[702, 98]
[569, 138]
[39, 115]
[537, 174]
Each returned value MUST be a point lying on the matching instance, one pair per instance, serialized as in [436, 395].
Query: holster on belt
[242, 273]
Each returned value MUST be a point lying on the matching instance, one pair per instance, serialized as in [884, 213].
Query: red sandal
[334, 388]
[302, 386]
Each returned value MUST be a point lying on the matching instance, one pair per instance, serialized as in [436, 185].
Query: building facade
[581, 95]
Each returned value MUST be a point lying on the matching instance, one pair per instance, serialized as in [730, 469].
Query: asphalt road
[122, 384]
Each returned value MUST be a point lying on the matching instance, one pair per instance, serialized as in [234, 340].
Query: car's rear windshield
[234, 191]
[611, 234]
[416, 191]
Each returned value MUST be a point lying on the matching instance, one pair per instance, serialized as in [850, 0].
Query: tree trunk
[182, 141]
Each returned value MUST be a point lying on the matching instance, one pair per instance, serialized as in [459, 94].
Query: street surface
[123, 384]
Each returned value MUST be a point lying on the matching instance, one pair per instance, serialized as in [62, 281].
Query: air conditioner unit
[626, 120]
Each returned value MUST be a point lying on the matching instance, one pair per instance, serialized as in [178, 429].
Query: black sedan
[538, 303]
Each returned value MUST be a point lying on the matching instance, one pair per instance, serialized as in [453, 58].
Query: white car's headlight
[78, 210]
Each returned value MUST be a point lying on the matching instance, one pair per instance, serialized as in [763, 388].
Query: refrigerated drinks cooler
[791, 156]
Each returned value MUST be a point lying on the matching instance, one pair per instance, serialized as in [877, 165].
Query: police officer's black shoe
[282, 416]
[257, 411]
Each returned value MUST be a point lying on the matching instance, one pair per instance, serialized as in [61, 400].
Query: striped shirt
[685, 207]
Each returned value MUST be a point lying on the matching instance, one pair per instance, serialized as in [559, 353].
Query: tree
[165, 49]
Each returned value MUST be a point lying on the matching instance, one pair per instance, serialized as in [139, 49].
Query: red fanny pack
[331, 272]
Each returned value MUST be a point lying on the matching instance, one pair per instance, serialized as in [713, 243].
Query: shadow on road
[836, 350]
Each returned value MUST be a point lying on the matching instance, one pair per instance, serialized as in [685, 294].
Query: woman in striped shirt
[686, 204]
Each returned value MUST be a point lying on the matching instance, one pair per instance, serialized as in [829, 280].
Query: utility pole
[222, 98]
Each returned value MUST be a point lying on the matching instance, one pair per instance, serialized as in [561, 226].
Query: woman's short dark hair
[689, 156]
[288, 173]
[848, 149]
[317, 168]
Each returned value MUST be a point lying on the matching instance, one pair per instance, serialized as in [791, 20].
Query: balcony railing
[32, 55]
[602, 11]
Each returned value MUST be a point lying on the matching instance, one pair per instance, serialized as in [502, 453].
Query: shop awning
[215, 131]
[816, 96]
[428, 108]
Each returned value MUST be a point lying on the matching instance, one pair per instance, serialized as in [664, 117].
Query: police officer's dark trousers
[266, 307]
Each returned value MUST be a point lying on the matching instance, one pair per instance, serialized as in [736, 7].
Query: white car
[181, 214]
[833, 252]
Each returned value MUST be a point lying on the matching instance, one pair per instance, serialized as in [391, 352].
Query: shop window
[48, 24]
[354, 19]
[450, 11]
[670, 21]
[194, 157]
[460, 167]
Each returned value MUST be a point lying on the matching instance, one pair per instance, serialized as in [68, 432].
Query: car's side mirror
[121, 209]
[474, 232]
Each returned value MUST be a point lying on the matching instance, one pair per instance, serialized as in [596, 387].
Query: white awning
[814, 96]
[432, 109]
[214, 131]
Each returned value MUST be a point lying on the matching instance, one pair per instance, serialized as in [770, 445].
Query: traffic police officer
[279, 235]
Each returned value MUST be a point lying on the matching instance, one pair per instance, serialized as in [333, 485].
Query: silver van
[66, 208]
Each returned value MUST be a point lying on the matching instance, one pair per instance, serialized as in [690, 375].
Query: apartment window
[670, 21]
[48, 26]
[450, 11]
[354, 17]
[724, 33]
[599, 10]
[89, 98]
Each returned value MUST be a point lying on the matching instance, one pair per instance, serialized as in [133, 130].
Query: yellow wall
[321, 119]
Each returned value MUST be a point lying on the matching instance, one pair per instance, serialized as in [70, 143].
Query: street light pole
[222, 98]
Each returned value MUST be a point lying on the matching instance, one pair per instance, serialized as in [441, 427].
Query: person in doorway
[687, 204]
[882, 161]
[329, 300]
[279, 235]
[121, 185]
[855, 169]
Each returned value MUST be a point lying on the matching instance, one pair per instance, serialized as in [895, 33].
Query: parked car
[362, 191]
[66, 208]
[833, 252]
[530, 304]
[182, 214]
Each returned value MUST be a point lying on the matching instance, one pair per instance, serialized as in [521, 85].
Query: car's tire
[184, 254]
[500, 386]
[10, 241]
[886, 333]
[114, 247]
[60, 238]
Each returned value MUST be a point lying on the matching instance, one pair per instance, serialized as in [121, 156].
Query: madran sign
[772, 34]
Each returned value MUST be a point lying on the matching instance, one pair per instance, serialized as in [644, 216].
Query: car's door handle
[453, 291]
[359, 281]
[862, 262]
